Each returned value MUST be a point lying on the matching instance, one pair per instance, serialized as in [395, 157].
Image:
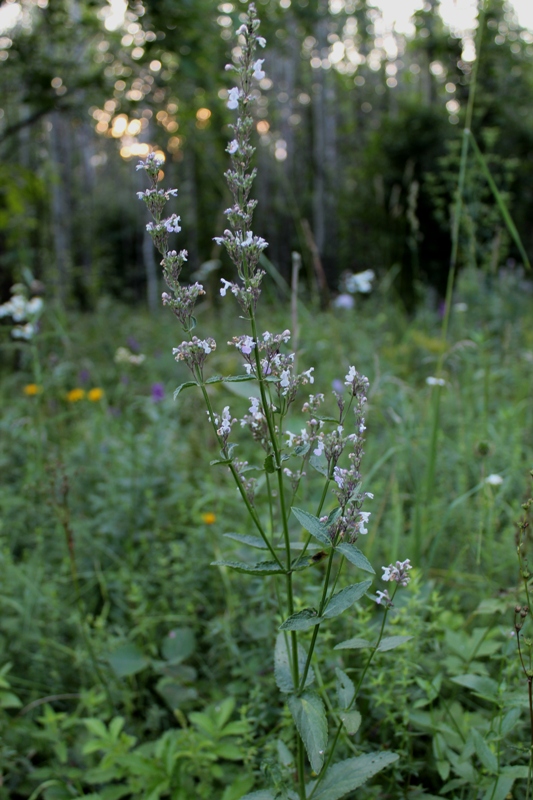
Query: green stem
[324, 769]
[316, 629]
[251, 510]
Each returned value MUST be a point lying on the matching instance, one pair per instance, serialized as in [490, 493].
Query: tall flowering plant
[333, 446]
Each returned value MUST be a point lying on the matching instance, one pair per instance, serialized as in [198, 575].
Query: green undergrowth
[132, 668]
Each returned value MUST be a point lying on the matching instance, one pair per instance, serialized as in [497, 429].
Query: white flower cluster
[20, 309]
[194, 352]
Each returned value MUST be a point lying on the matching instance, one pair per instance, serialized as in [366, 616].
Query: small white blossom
[397, 572]
[233, 98]
[349, 377]
[232, 147]
[494, 480]
[383, 598]
[258, 71]
[431, 381]
[226, 286]
[261, 41]
[344, 301]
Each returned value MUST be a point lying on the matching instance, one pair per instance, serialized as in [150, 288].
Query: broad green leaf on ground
[480, 684]
[127, 660]
[355, 556]
[345, 598]
[243, 538]
[390, 642]
[484, 753]
[183, 386]
[348, 775]
[282, 664]
[241, 784]
[309, 716]
[353, 644]
[178, 645]
[261, 568]
[345, 688]
[302, 621]
[351, 721]
[312, 525]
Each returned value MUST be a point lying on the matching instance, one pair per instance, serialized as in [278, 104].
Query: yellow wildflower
[32, 389]
[75, 394]
[208, 517]
[95, 394]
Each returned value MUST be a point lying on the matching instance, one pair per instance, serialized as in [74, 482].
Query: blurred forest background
[358, 140]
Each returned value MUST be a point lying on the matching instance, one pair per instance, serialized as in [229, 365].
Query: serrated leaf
[391, 642]
[261, 568]
[183, 386]
[238, 378]
[282, 665]
[319, 464]
[301, 450]
[252, 541]
[353, 644]
[285, 756]
[312, 525]
[351, 721]
[127, 660]
[309, 716]
[302, 621]
[345, 688]
[486, 687]
[341, 601]
[348, 775]
[269, 465]
[355, 556]
[484, 753]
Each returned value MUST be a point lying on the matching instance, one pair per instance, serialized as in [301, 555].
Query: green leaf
[353, 644]
[345, 688]
[309, 716]
[269, 464]
[348, 775]
[9, 700]
[499, 788]
[178, 645]
[282, 665]
[301, 621]
[240, 785]
[184, 386]
[484, 753]
[485, 687]
[252, 541]
[390, 642]
[312, 525]
[319, 464]
[355, 556]
[510, 720]
[301, 450]
[262, 794]
[261, 568]
[345, 598]
[127, 660]
[238, 378]
[351, 721]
